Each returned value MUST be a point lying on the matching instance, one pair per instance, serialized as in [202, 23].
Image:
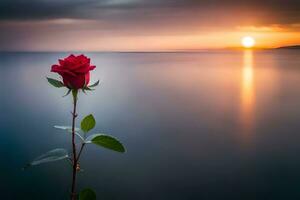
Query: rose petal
[61, 71]
[61, 62]
[87, 78]
[74, 82]
[92, 67]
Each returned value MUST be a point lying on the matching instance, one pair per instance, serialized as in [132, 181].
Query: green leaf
[88, 123]
[87, 194]
[50, 156]
[69, 130]
[55, 83]
[89, 139]
[88, 89]
[95, 84]
[108, 142]
[69, 91]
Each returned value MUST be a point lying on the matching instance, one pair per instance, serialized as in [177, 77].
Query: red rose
[75, 71]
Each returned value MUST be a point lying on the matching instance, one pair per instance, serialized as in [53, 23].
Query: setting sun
[248, 42]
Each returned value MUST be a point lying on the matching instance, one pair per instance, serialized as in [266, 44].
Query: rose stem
[82, 146]
[74, 115]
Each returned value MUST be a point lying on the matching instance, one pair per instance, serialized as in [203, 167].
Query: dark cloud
[287, 10]
[24, 22]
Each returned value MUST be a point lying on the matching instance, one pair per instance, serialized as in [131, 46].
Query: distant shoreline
[292, 47]
[295, 47]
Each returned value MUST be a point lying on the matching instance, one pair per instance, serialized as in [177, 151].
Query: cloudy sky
[145, 25]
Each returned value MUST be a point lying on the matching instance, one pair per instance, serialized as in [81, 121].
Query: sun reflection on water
[247, 94]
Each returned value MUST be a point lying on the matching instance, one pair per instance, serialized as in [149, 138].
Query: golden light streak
[247, 95]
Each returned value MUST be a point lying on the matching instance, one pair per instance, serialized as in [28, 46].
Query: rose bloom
[75, 71]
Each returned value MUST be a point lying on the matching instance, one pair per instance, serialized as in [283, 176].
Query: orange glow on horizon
[91, 39]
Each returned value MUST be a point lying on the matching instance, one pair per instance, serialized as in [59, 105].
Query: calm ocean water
[210, 125]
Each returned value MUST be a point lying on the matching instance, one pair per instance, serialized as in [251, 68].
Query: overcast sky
[42, 25]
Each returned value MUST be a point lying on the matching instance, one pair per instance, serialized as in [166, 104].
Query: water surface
[209, 125]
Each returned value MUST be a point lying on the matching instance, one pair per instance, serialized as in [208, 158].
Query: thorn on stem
[78, 167]
[75, 115]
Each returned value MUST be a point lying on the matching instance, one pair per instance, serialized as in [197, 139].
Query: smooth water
[210, 125]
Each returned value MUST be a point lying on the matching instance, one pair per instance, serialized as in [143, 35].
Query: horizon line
[154, 51]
